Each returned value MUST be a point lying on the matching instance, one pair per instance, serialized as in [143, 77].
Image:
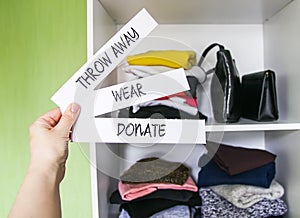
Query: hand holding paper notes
[80, 88]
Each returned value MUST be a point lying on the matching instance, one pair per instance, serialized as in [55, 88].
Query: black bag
[225, 86]
[260, 98]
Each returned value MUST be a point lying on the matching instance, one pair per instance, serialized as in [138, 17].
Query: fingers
[47, 121]
[68, 118]
[52, 116]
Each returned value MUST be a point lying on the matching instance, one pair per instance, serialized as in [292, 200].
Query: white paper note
[148, 131]
[138, 91]
[105, 60]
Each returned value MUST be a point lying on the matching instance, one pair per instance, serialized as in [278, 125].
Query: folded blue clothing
[211, 174]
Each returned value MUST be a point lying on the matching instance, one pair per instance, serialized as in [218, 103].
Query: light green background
[42, 43]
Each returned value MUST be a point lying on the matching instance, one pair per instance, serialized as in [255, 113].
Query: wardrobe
[261, 34]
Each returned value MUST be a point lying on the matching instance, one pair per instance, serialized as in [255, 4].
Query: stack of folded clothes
[153, 187]
[181, 105]
[239, 182]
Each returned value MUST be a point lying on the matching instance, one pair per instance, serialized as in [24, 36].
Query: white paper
[105, 60]
[148, 131]
[138, 91]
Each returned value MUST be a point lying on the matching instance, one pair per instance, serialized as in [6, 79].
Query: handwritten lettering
[136, 129]
[100, 65]
[125, 42]
[127, 92]
[91, 74]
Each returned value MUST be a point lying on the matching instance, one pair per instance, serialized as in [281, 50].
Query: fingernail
[75, 108]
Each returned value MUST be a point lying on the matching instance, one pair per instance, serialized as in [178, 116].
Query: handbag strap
[205, 52]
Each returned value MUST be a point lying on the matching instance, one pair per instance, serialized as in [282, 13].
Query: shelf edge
[252, 127]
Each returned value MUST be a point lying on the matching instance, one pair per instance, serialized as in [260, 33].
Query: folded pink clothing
[130, 192]
[192, 102]
[187, 99]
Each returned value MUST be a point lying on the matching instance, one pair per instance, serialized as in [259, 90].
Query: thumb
[68, 118]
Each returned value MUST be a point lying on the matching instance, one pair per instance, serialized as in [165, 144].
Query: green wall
[42, 43]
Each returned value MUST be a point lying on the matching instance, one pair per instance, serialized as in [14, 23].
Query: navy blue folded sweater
[211, 174]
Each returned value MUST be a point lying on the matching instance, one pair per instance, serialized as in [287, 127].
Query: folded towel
[235, 160]
[214, 205]
[211, 175]
[244, 196]
[130, 192]
[168, 58]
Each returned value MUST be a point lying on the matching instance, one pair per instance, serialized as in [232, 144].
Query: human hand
[49, 137]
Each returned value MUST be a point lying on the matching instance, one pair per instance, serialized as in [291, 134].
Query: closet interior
[261, 34]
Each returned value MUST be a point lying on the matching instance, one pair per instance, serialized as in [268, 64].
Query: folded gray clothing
[244, 196]
[215, 206]
[124, 214]
[155, 170]
[180, 211]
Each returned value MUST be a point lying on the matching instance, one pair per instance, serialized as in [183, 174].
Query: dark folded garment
[162, 112]
[146, 208]
[235, 160]
[211, 174]
[155, 170]
[170, 194]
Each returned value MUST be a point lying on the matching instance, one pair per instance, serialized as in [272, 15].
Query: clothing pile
[156, 188]
[181, 105]
[239, 182]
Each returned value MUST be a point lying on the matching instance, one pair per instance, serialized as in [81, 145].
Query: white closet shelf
[246, 125]
[196, 11]
[242, 126]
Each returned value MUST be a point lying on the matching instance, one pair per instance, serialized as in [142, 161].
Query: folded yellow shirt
[168, 58]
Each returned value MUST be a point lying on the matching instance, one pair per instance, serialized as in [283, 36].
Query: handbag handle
[210, 47]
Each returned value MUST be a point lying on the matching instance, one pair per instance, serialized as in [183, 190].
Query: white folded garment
[144, 71]
[244, 196]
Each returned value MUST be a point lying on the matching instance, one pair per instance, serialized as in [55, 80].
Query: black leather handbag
[225, 86]
[259, 96]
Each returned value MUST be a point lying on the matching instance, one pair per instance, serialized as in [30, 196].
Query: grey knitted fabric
[180, 211]
[244, 196]
[214, 206]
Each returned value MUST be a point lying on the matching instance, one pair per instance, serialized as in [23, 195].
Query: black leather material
[193, 83]
[259, 96]
[225, 86]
